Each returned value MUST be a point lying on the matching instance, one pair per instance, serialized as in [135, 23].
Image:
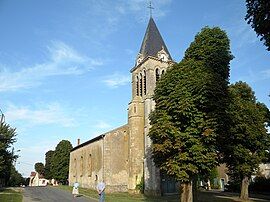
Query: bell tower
[152, 61]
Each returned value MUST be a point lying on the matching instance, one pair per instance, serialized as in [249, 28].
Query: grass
[203, 196]
[126, 197]
[10, 195]
[121, 197]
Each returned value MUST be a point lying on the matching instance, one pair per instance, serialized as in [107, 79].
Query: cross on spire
[150, 8]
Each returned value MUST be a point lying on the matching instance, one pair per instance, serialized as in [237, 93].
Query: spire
[152, 41]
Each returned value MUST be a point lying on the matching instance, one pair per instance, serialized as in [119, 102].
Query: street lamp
[15, 156]
[2, 117]
[2, 121]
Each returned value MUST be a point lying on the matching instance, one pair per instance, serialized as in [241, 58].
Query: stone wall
[86, 165]
[116, 159]
[102, 158]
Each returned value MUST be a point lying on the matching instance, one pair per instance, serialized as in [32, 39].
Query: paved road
[51, 194]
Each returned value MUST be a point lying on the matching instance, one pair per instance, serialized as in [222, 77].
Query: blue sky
[64, 65]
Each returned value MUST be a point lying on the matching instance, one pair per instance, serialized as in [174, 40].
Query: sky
[65, 64]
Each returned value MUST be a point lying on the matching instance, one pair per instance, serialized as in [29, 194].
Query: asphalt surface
[51, 194]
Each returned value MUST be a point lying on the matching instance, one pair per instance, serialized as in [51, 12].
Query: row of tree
[201, 121]
[56, 163]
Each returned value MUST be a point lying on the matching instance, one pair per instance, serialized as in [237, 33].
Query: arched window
[141, 83]
[157, 74]
[81, 166]
[144, 82]
[75, 167]
[137, 85]
[163, 71]
[90, 165]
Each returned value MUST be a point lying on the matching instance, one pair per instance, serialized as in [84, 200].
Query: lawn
[203, 196]
[10, 195]
[121, 197]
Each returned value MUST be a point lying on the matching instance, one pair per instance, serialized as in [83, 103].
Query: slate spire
[152, 41]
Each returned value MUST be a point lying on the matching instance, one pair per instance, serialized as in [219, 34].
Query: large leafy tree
[258, 15]
[39, 167]
[247, 142]
[48, 164]
[60, 161]
[7, 156]
[191, 99]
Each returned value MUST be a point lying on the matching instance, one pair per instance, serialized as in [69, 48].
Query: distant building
[37, 179]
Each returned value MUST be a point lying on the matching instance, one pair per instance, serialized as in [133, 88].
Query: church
[122, 157]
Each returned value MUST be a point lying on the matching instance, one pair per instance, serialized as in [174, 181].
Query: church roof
[152, 41]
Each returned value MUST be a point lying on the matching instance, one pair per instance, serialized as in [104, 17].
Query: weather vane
[150, 8]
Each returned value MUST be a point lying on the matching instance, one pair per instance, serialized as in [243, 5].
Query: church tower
[152, 61]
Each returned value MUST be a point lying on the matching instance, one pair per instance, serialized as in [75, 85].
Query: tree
[191, 99]
[60, 161]
[247, 142]
[48, 162]
[7, 156]
[258, 15]
[16, 179]
[39, 167]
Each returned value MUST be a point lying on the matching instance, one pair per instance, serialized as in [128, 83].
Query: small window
[96, 178]
[163, 71]
[135, 109]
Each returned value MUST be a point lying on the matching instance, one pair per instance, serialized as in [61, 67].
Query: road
[51, 194]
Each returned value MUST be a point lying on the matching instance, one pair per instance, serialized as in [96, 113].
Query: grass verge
[122, 197]
[8, 195]
[203, 196]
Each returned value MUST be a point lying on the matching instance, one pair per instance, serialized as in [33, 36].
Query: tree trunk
[186, 192]
[244, 188]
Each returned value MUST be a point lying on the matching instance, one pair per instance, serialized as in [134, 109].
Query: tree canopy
[191, 99]
[247, 142]
[48, 164]
[16, 178]
[7, 138]
[60, 161]
[39, 167]
[258, 15]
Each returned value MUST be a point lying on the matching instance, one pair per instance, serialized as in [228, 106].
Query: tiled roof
[152, 41]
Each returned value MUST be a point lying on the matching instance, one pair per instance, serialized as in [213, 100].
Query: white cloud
[102, 125]
[63, 60]
[115, 80]
[43, 115]
[29, 155]
[254, 76]
[266, 73]
[242, 34]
